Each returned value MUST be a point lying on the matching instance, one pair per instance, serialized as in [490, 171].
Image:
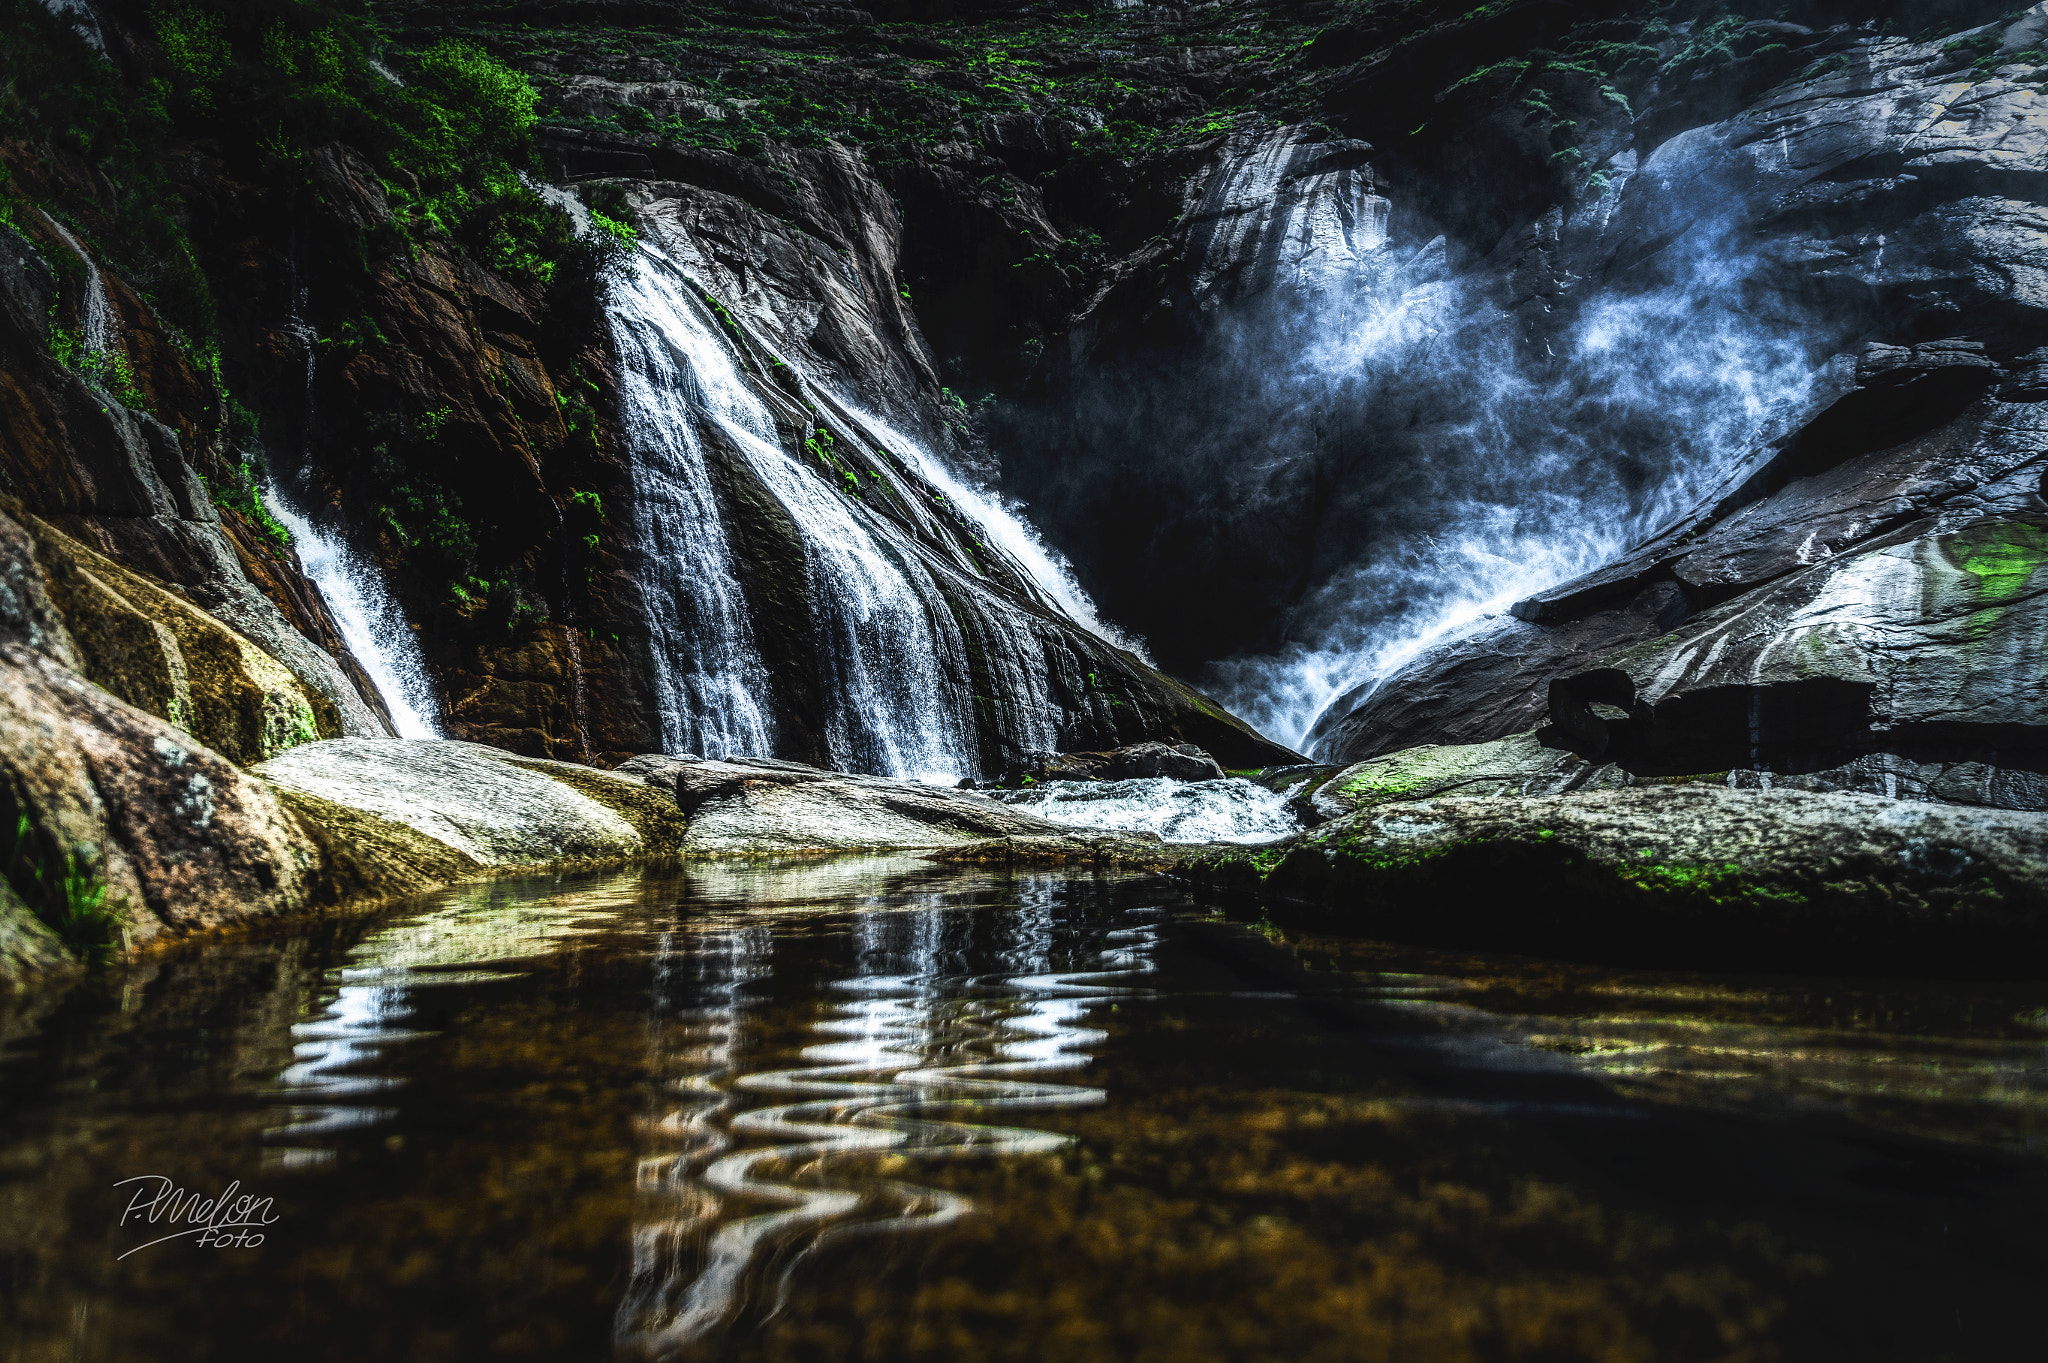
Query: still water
[876, 1109]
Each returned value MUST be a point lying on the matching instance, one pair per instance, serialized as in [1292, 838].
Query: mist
[1313, 485]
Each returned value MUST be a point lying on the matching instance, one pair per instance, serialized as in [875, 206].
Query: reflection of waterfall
[891, 643]
[452, 944]
[921, 1049]
[371, 623]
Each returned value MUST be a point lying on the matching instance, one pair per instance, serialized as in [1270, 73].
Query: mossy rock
[1689, 875]
[159, 652]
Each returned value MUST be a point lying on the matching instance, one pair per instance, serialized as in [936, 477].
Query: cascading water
[1543, 454]
[1233, 810]
[97, 323]
[708, 673]
[370, 621]
[884, 628]
[1003, 523]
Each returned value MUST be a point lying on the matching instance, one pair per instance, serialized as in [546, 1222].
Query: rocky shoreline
[1508, 846]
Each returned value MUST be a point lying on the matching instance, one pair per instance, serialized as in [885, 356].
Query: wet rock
[469, 798]
[1486, 684]
[766, 805]
[158, 651]
[1179, 761]
[1519, 764]
[181, 838]
[1932, 637]
[1693, 874]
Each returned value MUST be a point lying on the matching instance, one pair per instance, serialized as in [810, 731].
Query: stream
[880, 1109]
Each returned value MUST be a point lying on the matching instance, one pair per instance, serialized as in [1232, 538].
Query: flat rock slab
[1693, 875]
[473, 799]
[767, 805]
[1515, 765]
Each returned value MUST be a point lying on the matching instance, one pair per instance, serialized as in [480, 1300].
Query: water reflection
[874, 1109]
[918, 1053]
[369, 1000]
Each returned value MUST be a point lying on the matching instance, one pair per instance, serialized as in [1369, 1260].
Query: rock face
[1850, 603]
[1925, 647]
[766, 805]
[180, 838]
[1708, 877]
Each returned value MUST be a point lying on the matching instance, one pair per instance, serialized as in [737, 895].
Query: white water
[99, 321]
[1232, 810]
[83, 20]
[1526, 494]
[883, 628]
[371, 623]
[709, 678]
[1002, 524]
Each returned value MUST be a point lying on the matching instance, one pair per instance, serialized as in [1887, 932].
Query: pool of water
[876, 1109]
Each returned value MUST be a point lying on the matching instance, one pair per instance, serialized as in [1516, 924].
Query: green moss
[2003, 557]
[1726, 883]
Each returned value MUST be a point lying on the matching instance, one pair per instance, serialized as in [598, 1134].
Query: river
[879, 1109]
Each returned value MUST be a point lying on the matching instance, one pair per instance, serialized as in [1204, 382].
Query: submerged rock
[758, 804]
[1698, 875]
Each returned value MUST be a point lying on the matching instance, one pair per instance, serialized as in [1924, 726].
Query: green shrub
[244, 495]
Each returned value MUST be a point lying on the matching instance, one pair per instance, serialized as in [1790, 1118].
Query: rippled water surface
[875, 1109]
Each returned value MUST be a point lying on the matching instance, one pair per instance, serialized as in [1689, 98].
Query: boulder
[476, 801]
[159, 652]
[1179, 761]
[177, 837]
[1516, 765]
[754, 804]
[1694, 875]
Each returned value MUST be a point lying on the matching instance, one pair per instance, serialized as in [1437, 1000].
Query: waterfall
[375, 630]
[84, 22]
[98, 321]
[1003, 524]
[883, 626]
[708, 675]
[1509, 459]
